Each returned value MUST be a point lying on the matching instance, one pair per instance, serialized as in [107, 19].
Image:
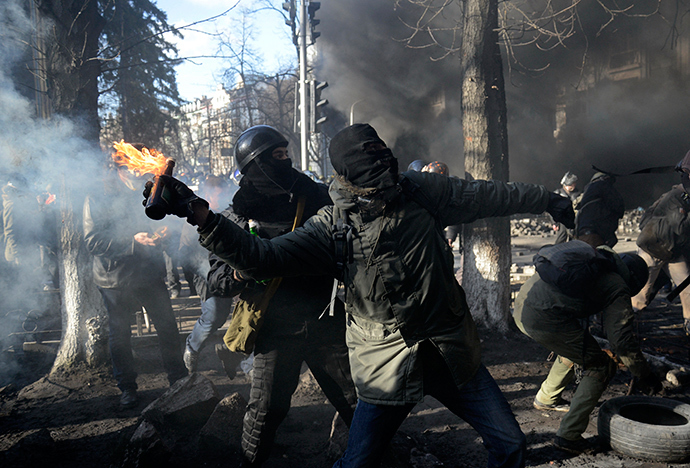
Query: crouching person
[557, 320]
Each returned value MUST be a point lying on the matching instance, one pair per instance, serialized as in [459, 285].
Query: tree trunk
[486, 267]
[80, 298]
[72, 75]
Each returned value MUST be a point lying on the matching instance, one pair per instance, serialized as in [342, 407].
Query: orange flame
[146, 161]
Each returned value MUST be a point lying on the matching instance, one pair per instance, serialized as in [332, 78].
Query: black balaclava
[371, 170]
[270, 176]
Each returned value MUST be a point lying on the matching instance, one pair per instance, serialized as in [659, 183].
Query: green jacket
[544, 308]
[400, 288]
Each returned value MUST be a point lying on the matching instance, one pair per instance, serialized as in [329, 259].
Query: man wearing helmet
[568, 189]
[409, 329]
[554, 319]
[270, 195]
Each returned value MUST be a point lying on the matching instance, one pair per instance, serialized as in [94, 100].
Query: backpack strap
[412, 189]
[342, 238]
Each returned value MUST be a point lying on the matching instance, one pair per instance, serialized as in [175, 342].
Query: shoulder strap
[412, 189]
[342, 238]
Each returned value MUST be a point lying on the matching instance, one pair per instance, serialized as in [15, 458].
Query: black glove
[177, 197]
[650, 385]
[561, 210]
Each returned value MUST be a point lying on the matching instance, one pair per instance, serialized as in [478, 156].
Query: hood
[341, 194]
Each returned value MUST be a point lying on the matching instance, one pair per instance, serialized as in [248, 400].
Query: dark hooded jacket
[543, 308]
[400, 288]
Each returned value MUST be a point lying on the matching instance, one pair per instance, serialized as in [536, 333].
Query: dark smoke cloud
[390, 86]
[621, 126]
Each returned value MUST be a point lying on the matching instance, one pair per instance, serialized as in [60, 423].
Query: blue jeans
[214, 313]
[479, 402]
[121, 305]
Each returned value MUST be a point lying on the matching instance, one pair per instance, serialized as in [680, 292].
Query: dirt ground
[75, 422]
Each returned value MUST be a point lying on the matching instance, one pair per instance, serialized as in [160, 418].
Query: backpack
[572, 266]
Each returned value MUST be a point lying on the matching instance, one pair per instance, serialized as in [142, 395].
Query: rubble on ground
[542, 225]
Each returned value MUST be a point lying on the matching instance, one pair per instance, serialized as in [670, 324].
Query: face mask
[376, 169]
[270, 176]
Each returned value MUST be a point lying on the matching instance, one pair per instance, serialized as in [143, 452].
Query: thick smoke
[38, 158]
[370, 71]
[619, 126]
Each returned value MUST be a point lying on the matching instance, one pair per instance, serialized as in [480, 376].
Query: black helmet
[254, 141]
[639, 272]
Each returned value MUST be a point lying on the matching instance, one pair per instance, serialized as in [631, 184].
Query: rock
[185, 407]
[147, 448]
[30, 450]
[678, 377]
[419, 459]
[223, 430]
[171, 423]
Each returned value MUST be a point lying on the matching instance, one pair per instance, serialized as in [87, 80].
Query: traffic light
[317, 104]
[292, 12]
[313, 22]
[290, 20]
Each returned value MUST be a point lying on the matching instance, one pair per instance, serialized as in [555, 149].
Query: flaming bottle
[157, 205]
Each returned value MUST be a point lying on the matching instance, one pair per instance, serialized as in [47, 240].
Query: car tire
[649, 428]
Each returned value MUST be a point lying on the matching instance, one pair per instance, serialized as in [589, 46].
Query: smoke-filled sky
[628, 126]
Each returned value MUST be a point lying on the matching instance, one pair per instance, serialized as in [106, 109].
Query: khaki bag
[249, 314]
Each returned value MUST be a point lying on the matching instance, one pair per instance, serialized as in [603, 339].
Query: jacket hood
[341, 194]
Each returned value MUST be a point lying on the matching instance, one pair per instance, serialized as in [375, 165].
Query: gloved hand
[178, 197]
[686, 326]
[650, 385]
[561, 210]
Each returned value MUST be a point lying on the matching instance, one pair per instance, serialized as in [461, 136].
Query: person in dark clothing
[295, 329]
[664, 243]
[129, 271]
[216, 306]
[554, 318]
[598, 211]
[409, 329]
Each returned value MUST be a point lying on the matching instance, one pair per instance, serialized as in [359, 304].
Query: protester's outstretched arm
[303, 252]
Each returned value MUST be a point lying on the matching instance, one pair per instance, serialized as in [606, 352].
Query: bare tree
[276, 101]
[486, 275]
[486, 266]
[72, 76]
[474, 30]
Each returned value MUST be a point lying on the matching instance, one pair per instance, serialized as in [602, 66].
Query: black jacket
[110, 223]
[298, 299]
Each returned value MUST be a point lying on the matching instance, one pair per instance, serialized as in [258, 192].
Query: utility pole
[303, 126]
[309, 100]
